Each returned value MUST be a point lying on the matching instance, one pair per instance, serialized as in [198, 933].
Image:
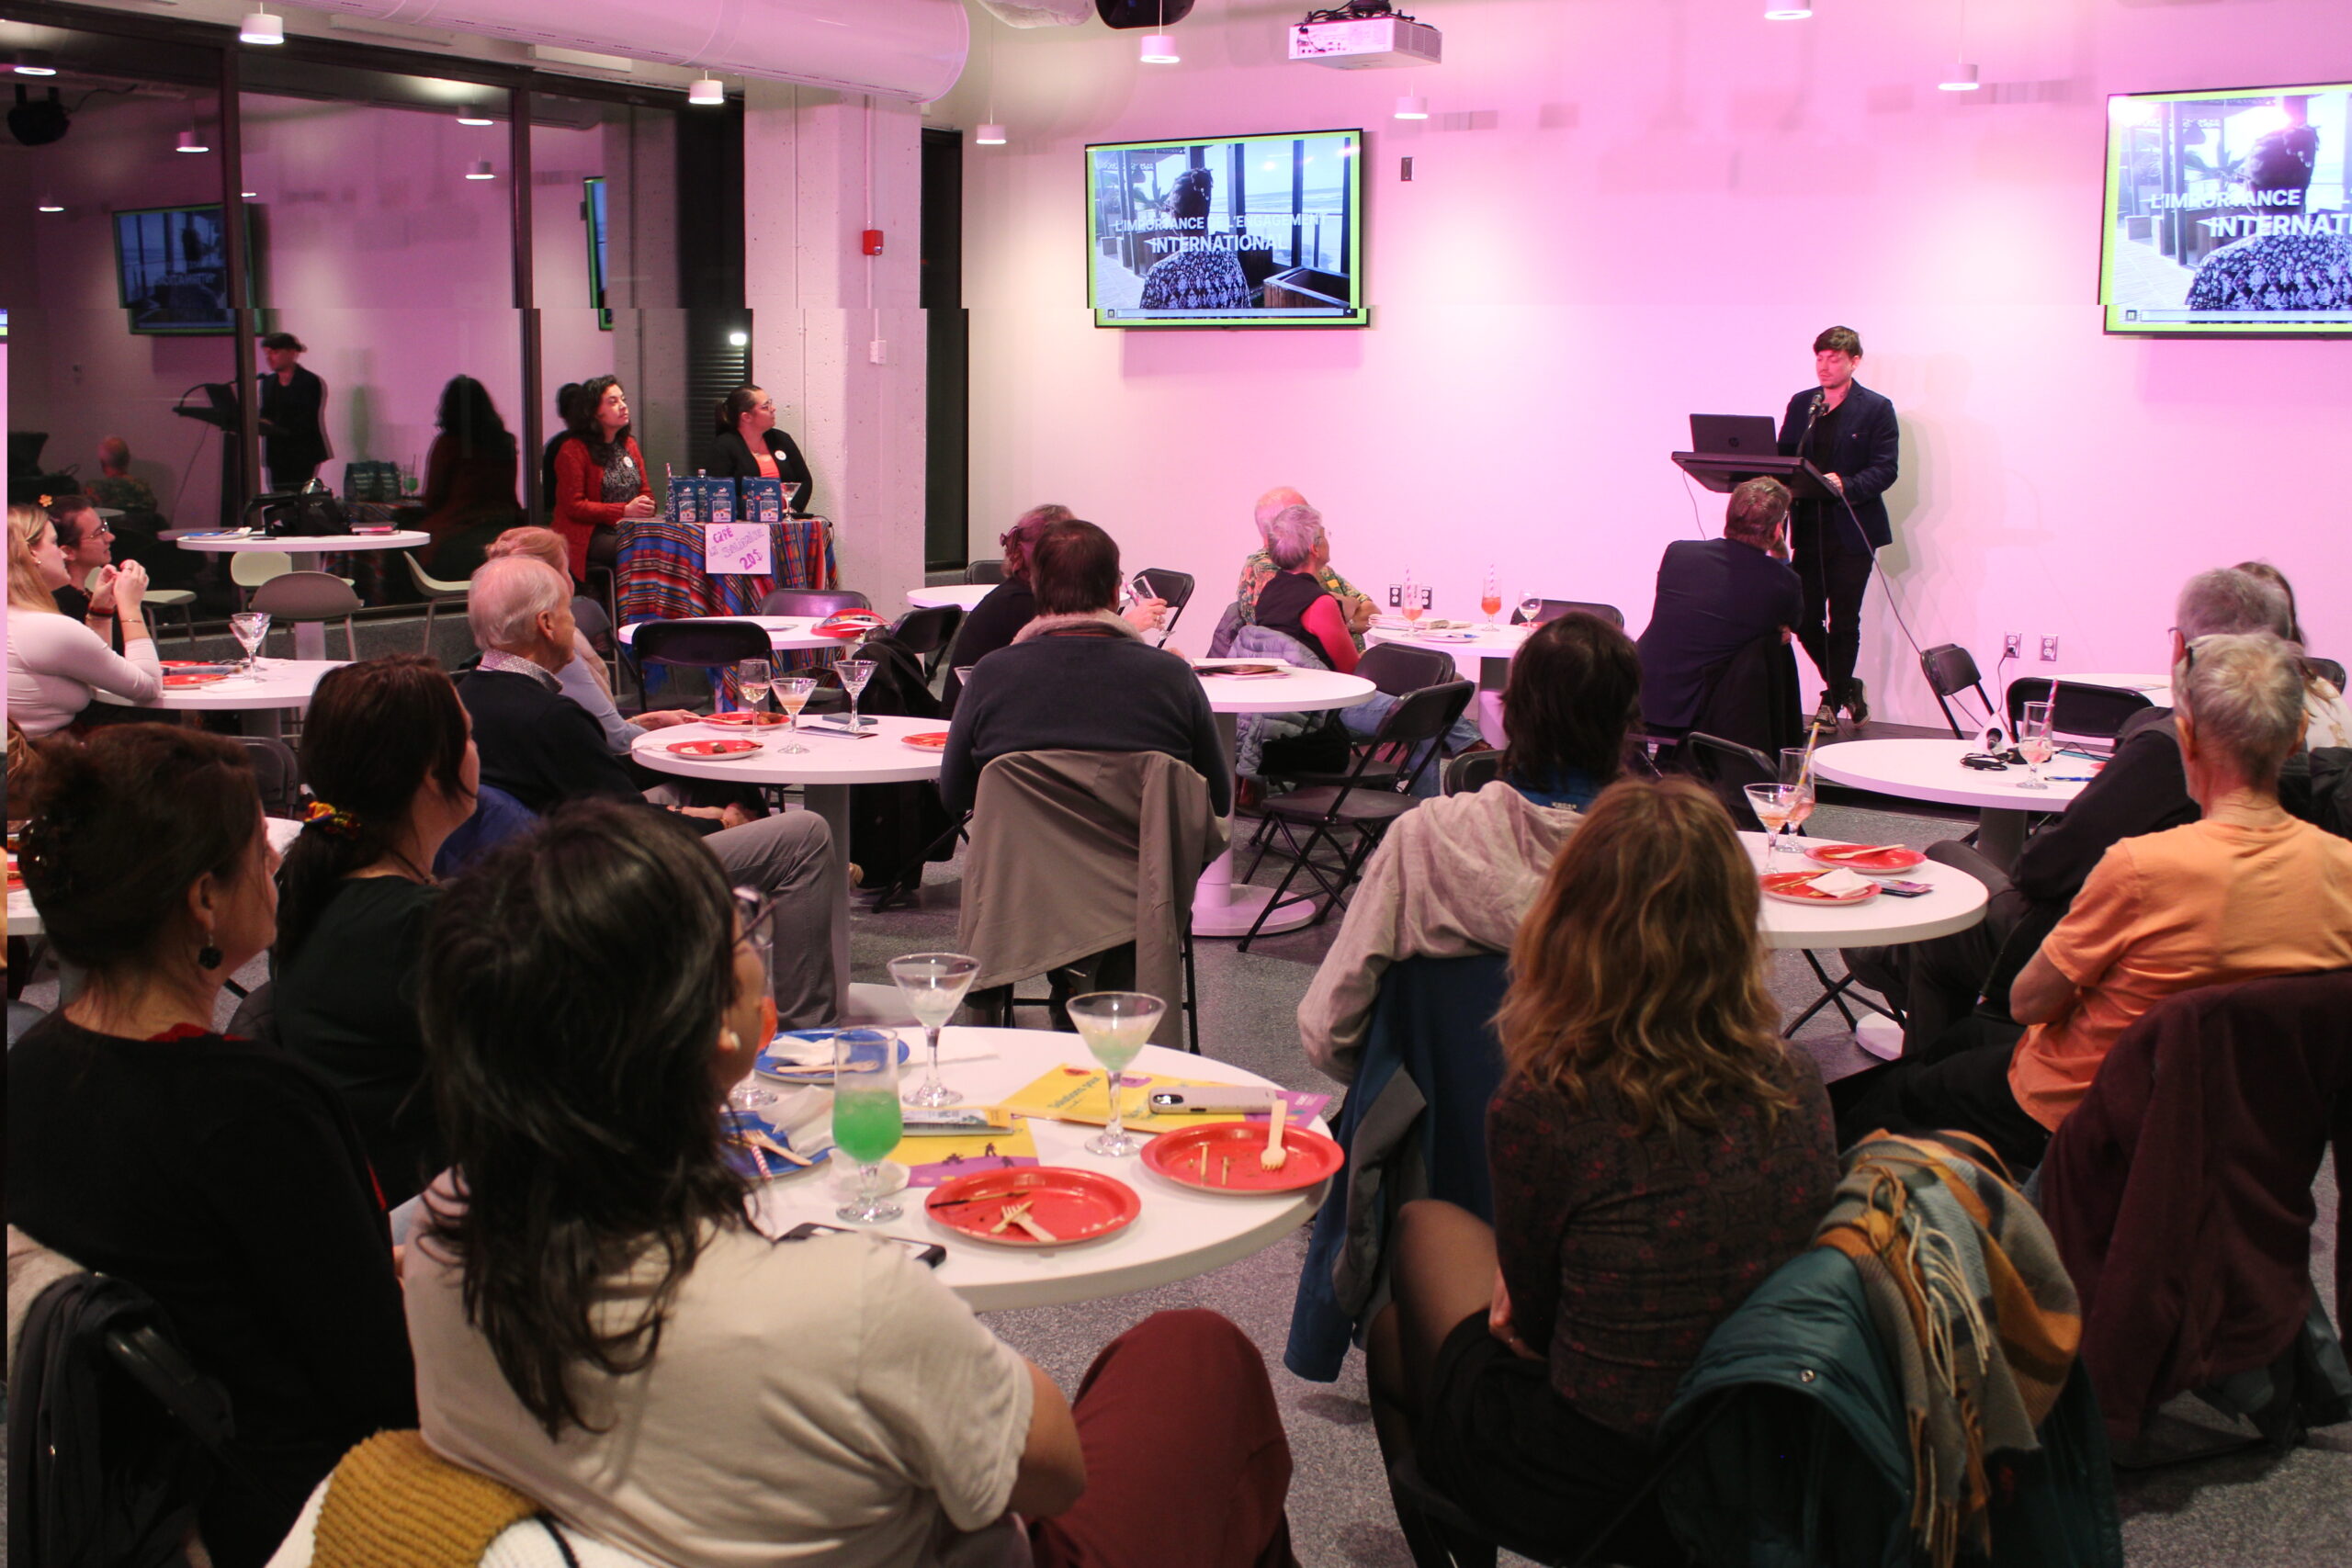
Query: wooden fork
[1275, 1156]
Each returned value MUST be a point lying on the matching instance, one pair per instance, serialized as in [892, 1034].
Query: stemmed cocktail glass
[1114, 1025]
[933, 985]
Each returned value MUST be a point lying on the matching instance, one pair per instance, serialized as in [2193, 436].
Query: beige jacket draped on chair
[1076, 851]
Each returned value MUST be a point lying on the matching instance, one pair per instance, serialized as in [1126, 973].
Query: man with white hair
[2243, 892]
[544, 748]
[1261, 570]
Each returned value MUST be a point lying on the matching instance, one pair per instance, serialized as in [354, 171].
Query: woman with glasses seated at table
[57, 665]
[600, 477]
[1656, 1153]
[602, 1324]
[752, 447]
[387, 751]
[1011, 604]
[1457, 873]
[216, 1175]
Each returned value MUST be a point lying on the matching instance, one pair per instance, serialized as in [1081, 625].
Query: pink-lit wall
[1622, 213]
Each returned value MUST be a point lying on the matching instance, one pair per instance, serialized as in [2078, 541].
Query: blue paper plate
[744, 1161]
[784, 1070]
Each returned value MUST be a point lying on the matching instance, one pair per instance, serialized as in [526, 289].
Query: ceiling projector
[1363, 35]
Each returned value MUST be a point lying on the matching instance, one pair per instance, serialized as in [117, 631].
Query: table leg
[1222, 907]
[269, 723]
[831, 803]
[310, 636]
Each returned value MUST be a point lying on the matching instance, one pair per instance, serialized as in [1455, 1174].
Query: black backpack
[114, 1437]
[2317, 786]
[894, 827]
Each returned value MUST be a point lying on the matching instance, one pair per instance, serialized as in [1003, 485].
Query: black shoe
[1825, 715]
[1856, 708]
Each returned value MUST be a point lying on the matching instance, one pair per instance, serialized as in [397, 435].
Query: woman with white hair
[1294, 601]
[2243, 892]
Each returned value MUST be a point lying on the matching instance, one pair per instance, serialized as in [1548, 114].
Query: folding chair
[708, 644]
[1173, 586]
[816, 602]
[1951, 671]
[1397, 669]
[988, 571]
[1555, 608]
[1352, 810]
[1470, 773]
[2076, 710]
[928, 634]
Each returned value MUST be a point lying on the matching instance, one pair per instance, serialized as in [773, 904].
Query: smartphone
[1902, 889]
[1182, 1101]
[1140, 586]
[928, 1253]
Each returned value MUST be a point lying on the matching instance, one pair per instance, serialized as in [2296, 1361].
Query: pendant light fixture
[1412, 107]
[991, 132]
[191, 142]
[32, 63]
[1159, 48]
[50, 204]
[473, 114]
[1786, 13]
[708, 92]
[1961, 75]
[481, 170]
[260, 28]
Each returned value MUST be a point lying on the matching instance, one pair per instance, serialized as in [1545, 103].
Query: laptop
[1733, 434]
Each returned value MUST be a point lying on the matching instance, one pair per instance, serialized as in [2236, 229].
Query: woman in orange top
[750, 447]
[599, 478]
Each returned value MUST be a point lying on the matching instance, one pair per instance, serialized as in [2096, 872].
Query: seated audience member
[56, 664]
[1079, 678]
[469, 481]
[601, 1323]
[387, 751]
[2331, 720]
[2243, 892]
[543, 749]
[115, 487]
[2141, 790]
[1457, 874]
[1656, 1153]
[215, 1174]
[87, 544]
[1716, 597]
[585, 679]
[1011, 604]
[600, 477]
[1258, 568]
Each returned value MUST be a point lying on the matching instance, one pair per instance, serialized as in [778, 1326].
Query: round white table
[25, 920]
[1222, 907]
[275, 685]
[307, 553]
[785, 633]
[963, 595]
[1931, 769]
[1957, 903]
[833, 761]
[1179, 1233]
[2157, 688]
[1470, 648]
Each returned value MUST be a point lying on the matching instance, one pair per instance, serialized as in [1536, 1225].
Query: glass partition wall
[438, 266]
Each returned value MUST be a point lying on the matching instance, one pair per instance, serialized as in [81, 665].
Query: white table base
[1222, 907]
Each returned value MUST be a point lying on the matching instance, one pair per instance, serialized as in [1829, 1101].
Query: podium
[1725, 471]
[221, 412]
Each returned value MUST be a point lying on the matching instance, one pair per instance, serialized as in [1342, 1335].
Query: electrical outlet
[1427, 594]
[2050, 650]
[1395, 596]
[2012, 645]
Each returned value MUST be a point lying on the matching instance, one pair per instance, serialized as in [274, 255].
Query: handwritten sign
[735, 548]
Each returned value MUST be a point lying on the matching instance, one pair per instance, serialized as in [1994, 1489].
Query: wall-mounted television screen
[2229, 213]
[172, 269]
[1237, 231]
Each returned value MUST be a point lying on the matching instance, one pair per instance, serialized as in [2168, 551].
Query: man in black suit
[1850, 432]
[543, 749]
[1715, 597]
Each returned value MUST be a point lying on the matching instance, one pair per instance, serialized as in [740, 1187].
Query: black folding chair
[1351, 817]
[1470, 773]
[2328, 670]
[1555, 608]
[989, 571]
[708, 644]
[1397, 670]
[815, 602]
[928, 634]
[1951, 671]
[2076, 710]
[1175, 587]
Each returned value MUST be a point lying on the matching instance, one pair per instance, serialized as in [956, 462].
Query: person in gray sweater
[1077, 677]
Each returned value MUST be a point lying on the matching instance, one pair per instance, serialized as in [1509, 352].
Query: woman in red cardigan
[599, 478]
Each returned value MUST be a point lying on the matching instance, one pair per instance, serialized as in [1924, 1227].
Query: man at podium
[1850, 434]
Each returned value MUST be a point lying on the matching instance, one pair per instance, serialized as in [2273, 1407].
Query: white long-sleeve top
[55, 663]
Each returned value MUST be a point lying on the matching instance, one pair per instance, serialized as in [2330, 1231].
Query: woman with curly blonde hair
[1657, 1151]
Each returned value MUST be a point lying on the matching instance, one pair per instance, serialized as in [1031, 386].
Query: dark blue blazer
[1865, 455]
[1715, 597]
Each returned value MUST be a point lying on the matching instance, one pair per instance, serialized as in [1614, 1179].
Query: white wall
[1626, 212]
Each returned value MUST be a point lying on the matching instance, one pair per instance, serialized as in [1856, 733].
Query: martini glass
[1114, 1025]
[854, 674]
[933, 985]
[792, 694]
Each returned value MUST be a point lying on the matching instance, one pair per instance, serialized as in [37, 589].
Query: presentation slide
[1243, 230]
[2229, 213]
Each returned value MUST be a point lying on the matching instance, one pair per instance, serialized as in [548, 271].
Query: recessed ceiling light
[32, 63]
[1787, 13]
[50, 204]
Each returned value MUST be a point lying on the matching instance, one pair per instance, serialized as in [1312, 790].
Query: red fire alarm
[872, 245]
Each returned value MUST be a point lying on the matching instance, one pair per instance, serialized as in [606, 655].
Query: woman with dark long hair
[750, 447]
[469, 473]
[1657, 1151]
[600, 477]
[210, 1171]
[388, 750]
[601, 1324]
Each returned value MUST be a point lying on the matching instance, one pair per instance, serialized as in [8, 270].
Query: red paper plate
[1870, 859]
[1075, 1205]
[740, 719]
[181, 682]
[1231, 1149]
[1796, 887]
[929, 740]
[714, 748]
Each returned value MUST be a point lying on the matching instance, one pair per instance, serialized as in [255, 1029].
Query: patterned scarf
[1975, 1310]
